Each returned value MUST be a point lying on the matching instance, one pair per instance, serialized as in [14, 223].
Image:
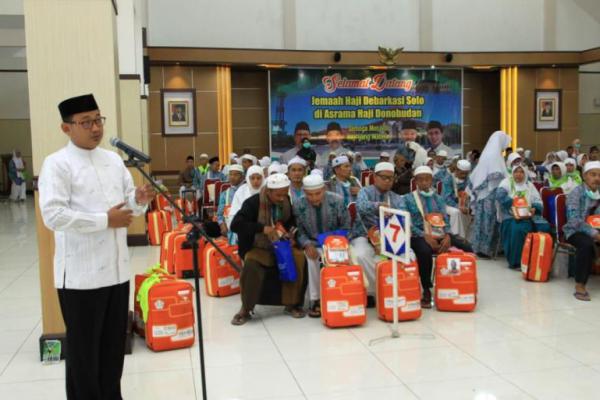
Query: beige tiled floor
[525, 341]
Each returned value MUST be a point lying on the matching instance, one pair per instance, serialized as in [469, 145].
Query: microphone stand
[192, 241]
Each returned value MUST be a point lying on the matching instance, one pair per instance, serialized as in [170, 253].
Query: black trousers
[96, 322]
[584, 255]
[424, 254]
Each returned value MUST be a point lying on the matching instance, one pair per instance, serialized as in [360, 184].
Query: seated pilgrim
[342, 182]
[520, 209]
[365, 230]
[318, 211]
[258, 224]
[582, 203]
[296, 171]
[430, 230]
[454, 193]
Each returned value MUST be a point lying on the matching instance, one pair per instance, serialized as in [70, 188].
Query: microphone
[130, 151]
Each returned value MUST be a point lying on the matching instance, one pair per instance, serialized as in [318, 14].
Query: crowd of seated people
[490, 200]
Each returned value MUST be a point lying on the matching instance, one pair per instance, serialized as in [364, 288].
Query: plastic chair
[366, 178]
[413, 184]
[560, 219]
[548, 199]
[208, 198]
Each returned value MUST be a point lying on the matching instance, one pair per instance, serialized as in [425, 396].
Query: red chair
[439, 187]
[539, 186]
[413, 184]
[548, 195]
[352, 211]
[560, 219]
[221, 187]
[366, 178]
[208, 198]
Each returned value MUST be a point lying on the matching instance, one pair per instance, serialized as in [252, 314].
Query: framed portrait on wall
[547, 109]
[178, 112]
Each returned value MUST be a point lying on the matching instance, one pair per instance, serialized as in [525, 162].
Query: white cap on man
[278, 181]
[422, 170]
[297, 160]
[203, 155]
[236, 168]
[463, 165]
[313, 182]
[441, 153]
[384, 154]
[265, 161]
[591, 165]
[339, 161]
[384, 166]
[570, 161]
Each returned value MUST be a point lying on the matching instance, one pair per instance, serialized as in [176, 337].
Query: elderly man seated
[430, 230]
[317, 212]
[366, 226]
[342, 182]
[255, 224]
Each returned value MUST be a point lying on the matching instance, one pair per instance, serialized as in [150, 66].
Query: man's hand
[271, 233]
[354, 190]
[597, 237]
[464, 210]
[223, 227]
[144, 194]
[434, 244]
[311, 252]
[119, 217]
[445, 244]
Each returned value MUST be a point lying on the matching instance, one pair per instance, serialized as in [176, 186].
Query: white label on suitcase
[411, 306]
[337, 306]
[465, 299]
[355, 311]
[447, 293]
[389, 302]
[235, 284]
[164, 330]
[226, 281]
[183, 334]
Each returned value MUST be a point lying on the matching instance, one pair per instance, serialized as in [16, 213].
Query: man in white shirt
[88, 199]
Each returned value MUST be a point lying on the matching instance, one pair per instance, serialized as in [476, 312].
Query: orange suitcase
[138, 321]
[170, 321]
[167, 249]
[536, 258]
[160, 202]
[409, 291]
[156, 227]
[456, 282]
[343, 296]
[220, 278]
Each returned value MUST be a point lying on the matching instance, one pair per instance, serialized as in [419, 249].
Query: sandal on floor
[241, 318]
[585, 296]
[294, 312]
[315, 310]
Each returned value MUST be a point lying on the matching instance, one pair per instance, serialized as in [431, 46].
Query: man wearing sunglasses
[88, 199]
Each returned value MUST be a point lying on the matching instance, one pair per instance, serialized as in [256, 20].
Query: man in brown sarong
[255, 225]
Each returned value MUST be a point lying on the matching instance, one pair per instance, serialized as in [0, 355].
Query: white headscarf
[490, 162]
[245, 191]
[533, 196]
[562, 155]
[580, 159]
[547, 161]
[511, 159]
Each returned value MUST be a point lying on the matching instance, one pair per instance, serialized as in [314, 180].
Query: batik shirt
[343, 189]
[367, 207]
[579, 207]
[433, 204]
[330, 216]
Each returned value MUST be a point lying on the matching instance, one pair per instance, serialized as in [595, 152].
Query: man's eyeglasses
[88, 123]
[386, 178]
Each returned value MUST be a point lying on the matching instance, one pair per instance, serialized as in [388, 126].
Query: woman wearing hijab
[557, 176]
[483, 183]
[254, 181]
[520, 207]
[358, 159]
[16, 173]
[573, 174]
[581, 160]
